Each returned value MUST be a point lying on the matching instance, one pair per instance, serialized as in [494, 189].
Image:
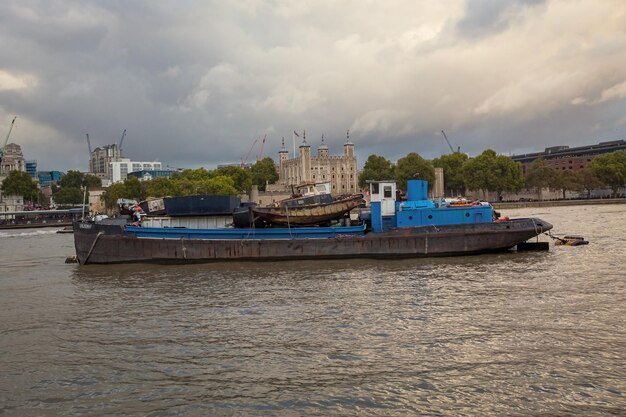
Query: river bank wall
[558, 203]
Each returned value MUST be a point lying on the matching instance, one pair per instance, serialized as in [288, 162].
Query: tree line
[229, 180]
[487, 172]
[490, 172]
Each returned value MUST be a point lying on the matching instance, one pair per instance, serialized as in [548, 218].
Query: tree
[160, 187]
[478, 172]
[77, 179]
[242, 178]
[541, 175]
[452, 165]
[588, 181]
[20, 183]
[192, 174]
[126, 189]
[567, 181]
[413, 166]
[134, 188]
[264, 172]
[376, 168]
[610, 169]
[491, 172]
[69, 196]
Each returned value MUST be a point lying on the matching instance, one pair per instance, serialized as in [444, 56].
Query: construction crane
[244, 159]
[260, 154]
[6, 140]
[88, 145]
[122, 141]
[448, 142]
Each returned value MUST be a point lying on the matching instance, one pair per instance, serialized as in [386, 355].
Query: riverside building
[564, 158]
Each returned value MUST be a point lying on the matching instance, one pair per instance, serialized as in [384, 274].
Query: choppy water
[528, 333]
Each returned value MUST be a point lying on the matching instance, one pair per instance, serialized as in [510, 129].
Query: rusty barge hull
[105, 244]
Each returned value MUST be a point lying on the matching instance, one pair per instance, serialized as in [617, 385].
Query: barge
[417, 227]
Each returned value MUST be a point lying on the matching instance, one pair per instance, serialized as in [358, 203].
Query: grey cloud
[194, 83]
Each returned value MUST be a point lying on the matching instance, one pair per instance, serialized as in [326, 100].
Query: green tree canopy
[492, 172]
[508, 176]
[69, 196]
[264, 172]
[192, 174]
[242, 178]
[452, 165]
[610, 169]
[160, 187]
[588, 181]
[541, 175]
[115, 192]
[219, 185]
[20, 183]
[77, 179]
[376, 168]
[135, 188]
[567, 181]
[413, 166]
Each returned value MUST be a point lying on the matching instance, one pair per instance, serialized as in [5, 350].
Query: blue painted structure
[418, 210]
[227, 233]
[49, 177]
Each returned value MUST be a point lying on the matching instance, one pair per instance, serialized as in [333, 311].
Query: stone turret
[348, 147]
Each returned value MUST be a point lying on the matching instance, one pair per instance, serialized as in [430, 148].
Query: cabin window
[375, 189]
[387, 191]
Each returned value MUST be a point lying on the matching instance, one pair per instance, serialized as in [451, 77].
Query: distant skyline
[195, 83]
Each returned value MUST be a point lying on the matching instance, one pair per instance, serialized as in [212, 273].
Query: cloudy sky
[195, 83]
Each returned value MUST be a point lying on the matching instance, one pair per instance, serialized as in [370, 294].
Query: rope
[548, 233]
[182, 242]
[93, 245]
[288, 224]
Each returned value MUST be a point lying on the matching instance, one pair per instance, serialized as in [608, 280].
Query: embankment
[557, 203]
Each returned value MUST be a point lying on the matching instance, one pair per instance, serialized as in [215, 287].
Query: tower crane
[90, 151]
[88, 145]
[244, 159]
[260, 154]
[122, 141]
[448, 142]
[6, 140]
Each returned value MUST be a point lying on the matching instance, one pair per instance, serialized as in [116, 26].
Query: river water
[516, 333]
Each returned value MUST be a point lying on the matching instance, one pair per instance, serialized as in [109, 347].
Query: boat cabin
[388, 211]
[313, 188]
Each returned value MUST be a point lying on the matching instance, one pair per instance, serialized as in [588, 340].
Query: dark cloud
[194, 83]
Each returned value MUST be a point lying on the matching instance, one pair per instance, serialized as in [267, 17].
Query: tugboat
[311, 204]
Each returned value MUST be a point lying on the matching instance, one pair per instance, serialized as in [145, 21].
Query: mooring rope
[288, 224]
[93, 245]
